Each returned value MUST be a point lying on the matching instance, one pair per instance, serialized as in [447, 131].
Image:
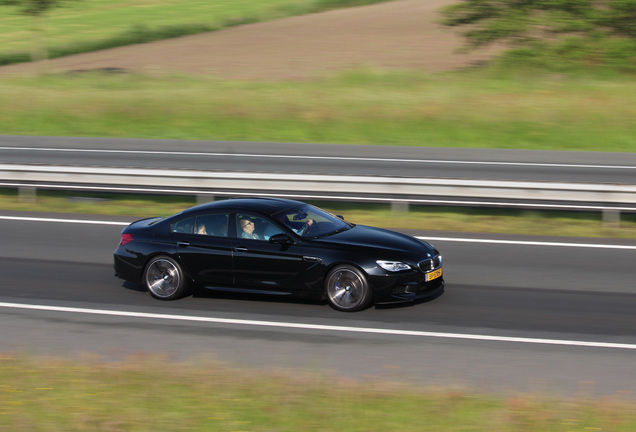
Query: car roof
[260, 204]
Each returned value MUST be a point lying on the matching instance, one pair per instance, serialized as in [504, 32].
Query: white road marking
[73, 221]
[342, 158]
[531, 243]
[448, 239]
[331, 328]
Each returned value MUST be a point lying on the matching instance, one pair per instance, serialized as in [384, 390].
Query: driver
[303, 228]
[248, 230]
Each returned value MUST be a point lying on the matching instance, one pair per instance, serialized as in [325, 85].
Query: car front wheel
[347, 289]
[164, 278]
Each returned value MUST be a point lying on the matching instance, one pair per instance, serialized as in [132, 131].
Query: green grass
[466, 109]
[106, 19]
[484, 220]
[146, 393]
[89, 25]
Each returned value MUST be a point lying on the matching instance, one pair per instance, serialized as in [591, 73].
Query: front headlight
[393, 266]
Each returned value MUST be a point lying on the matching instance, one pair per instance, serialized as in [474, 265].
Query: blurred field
[146, 393]
[96, 22]
[400, 34]
[382, 74]
[105, 19]
[462, 109]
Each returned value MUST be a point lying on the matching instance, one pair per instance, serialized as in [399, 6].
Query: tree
[36, 9]
[621, 17]
[521, 22]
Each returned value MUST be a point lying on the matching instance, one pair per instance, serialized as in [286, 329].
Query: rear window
[185, 226]
[214, 224]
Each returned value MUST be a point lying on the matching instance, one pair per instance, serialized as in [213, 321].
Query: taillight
[125, 239]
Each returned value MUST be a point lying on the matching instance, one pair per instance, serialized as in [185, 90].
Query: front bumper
[411, 294]
[408, 287]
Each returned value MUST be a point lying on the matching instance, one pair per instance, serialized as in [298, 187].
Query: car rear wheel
[347, 289]
[165, 279]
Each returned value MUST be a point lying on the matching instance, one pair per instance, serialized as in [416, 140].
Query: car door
[261, 265]
[205, 249]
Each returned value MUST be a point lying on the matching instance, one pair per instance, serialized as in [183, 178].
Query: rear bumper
[127, 267]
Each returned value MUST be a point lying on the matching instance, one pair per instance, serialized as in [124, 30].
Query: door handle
[183, 243]
[240, 249]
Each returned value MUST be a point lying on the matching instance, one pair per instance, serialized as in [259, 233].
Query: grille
[430, 264]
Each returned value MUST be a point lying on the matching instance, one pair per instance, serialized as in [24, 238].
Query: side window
[185, 226]
[255, 227]
[214, 224]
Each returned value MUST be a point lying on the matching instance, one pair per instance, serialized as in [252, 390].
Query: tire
[164, 278]
[347, 289]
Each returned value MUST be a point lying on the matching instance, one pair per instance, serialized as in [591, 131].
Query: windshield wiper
[339, 230]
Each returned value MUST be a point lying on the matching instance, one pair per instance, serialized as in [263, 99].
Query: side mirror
[280, 238]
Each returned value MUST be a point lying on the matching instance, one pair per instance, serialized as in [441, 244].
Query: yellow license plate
[433, 275]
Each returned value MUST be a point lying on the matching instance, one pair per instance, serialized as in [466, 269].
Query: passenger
[201, 229]
[248, 230]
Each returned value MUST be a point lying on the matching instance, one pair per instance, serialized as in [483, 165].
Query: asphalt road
[588, 167]
[519, 314]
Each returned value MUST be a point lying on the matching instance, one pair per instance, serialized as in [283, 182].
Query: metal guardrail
[611, 199]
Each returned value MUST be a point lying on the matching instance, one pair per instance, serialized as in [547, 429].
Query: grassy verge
[86, 26]
[553, 223]
[370, 107]
[151, 394]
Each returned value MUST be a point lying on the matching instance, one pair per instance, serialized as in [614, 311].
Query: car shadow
[132, 286]
[265, 298]
[198, 292]
[409, 303]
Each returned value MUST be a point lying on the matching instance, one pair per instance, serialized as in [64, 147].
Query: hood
[371, 237]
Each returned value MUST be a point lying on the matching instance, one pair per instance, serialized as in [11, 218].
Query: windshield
[310, 221]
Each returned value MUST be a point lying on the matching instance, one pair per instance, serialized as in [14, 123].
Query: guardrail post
[399, 206]
[204, 198]
[611, 218]
[27, 194]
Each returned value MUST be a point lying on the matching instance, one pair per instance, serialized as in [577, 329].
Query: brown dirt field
[401, 34]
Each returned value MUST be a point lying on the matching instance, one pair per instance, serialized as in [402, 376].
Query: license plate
[433, 275]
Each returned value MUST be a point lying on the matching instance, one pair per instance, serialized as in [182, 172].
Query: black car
[279, 247]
